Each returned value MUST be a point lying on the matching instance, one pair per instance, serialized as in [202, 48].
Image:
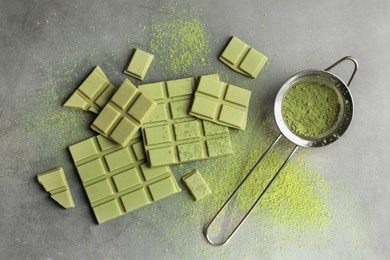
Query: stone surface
[36, 36]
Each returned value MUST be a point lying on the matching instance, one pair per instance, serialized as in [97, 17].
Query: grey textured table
[47, 48]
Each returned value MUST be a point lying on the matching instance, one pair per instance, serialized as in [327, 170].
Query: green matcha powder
[310, 109]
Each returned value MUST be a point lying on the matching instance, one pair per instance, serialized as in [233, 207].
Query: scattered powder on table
[43, 121]
[298, 197]
[310, 109]
[297, 204]
[180, 43]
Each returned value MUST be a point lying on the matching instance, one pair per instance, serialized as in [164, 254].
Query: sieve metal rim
[346, 103]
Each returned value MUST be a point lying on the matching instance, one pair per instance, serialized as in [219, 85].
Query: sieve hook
[343, 59]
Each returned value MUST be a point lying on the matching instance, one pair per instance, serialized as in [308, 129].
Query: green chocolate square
[213, 129]
[52, 180]
[107, 211]
[107, 120]
[55, 183]
[242, 58]
[179, 109]
[234, 50]
[187, 130]
[238, 95]
[158, 114]
[104, 143]
[139, 64]
[191, 152]
[92, 85]
[127, 179]
[151, 173]
[196, 185]
[139, 110]
[158, 135]
[64, 198]
[214, 100]
[163, 188]
[91, 170]
[180, 87]
[125, 95]
[106, 95]
[124, 114]
[253, 62]
[118, 159]
[162, 156]
[93, 94]
[124, 131]
[155, 91]
[117, 179]
[204, 107]
[135, 200]
[99, 190]
[232, 116]
[211, 87]
[219, 147]
[171, 135]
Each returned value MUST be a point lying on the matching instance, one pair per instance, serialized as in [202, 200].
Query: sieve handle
[343, 59]
[211, 226]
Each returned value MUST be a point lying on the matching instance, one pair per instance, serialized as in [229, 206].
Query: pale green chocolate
[55, 183]
[171, 135]
[242, 58]
[124, 114]
[221, 103]
[93, 94]
[139, 64]
[196, 185]
[117, 180]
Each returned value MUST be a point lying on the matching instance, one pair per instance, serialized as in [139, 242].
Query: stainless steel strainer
[345, 116]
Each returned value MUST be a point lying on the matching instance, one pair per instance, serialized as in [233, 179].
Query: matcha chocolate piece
[221, 103]
[117, 180]
[242, 58]
[93, 94]
[55, 183]
[122, 117]
[196, 185]
[139, 64]
[171, 135]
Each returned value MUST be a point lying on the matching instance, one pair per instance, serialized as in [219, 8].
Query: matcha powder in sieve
[310, 109]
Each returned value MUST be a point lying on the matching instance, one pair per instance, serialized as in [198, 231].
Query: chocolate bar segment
[221, 103]
[117, 179]
[242, 58]
[171, 135]
[93, 94]
[139, 64]
[55, 183]
[124, 114]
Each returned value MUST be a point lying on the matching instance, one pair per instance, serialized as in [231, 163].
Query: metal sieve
[323, 77]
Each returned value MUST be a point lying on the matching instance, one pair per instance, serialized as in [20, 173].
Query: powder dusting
[297, 198]
[43, 119]
[310, 109]
[180, 42]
